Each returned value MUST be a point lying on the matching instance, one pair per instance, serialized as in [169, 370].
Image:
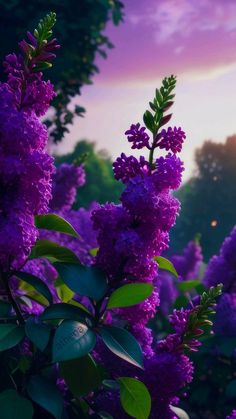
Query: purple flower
[127, 167]
[169, 171]
[225, 318]
[137, 136]
[188, 263]
[67, 179]
[167, 291]
[232, 415]
[25, 167]
[171, 139]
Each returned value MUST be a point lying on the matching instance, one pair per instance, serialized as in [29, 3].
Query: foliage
[214, 215]
[80, 29]
[100, 184]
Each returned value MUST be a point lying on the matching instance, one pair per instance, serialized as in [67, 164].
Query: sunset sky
[194, 39]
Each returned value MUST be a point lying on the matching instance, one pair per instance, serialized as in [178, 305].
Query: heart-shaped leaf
[123, 344]
[72, 340]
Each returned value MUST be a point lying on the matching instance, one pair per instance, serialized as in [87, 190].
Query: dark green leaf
[81, 375]
[129, 295]
[13, 406]
[165, 120]
[55, 223]
[66, 311]
[166, 265]
[181, 414]
[148, 120]
[53, 252]
[10, 335]
[36, 283]
[37, 332]
[86, 281]
[186, 286]
[46, 395]
[72, 340]
[123, 344]
[135, 398]
[5, 309]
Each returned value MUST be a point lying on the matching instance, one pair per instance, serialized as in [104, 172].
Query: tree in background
[80, 26]
[209, 198]
[100, 184]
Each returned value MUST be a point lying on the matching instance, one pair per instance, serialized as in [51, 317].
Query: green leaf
[72, 340]
[37, 332]
[13, 406]
[5, 309]
[129, 295]
[63, 292]
[53, 252]
[46, 395]
[148, 120]
[10, 335]
[179, 412]
[55, 223]
[123, 344]
[93, 252]
[81, 375]
[135, 397]
[186, 286]
[166, 265]
[86, 281]
[66, 311]
[37, 284]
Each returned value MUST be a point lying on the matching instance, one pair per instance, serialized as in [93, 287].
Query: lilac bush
[80, 287]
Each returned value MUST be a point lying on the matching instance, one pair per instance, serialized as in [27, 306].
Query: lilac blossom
[137, 136]
[171, 139]
[188, 263]
[25, 167]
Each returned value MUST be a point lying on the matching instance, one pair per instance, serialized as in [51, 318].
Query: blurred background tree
[100, 184]
[209, 198]
[79, 29]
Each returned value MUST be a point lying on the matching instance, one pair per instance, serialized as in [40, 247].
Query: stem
[11, 299]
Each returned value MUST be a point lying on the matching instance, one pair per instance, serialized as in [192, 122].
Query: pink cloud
[171, 36]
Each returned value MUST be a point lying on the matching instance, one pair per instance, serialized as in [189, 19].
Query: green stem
[5, 281]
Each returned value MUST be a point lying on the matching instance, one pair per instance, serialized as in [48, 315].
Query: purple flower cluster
[25, 167]
[137, 136]
[222, 269]
[67, 179]
[232, 415]
[171, 139]
[188, 263]
[131, 234]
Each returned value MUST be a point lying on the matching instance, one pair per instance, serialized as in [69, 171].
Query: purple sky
[194, 39]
